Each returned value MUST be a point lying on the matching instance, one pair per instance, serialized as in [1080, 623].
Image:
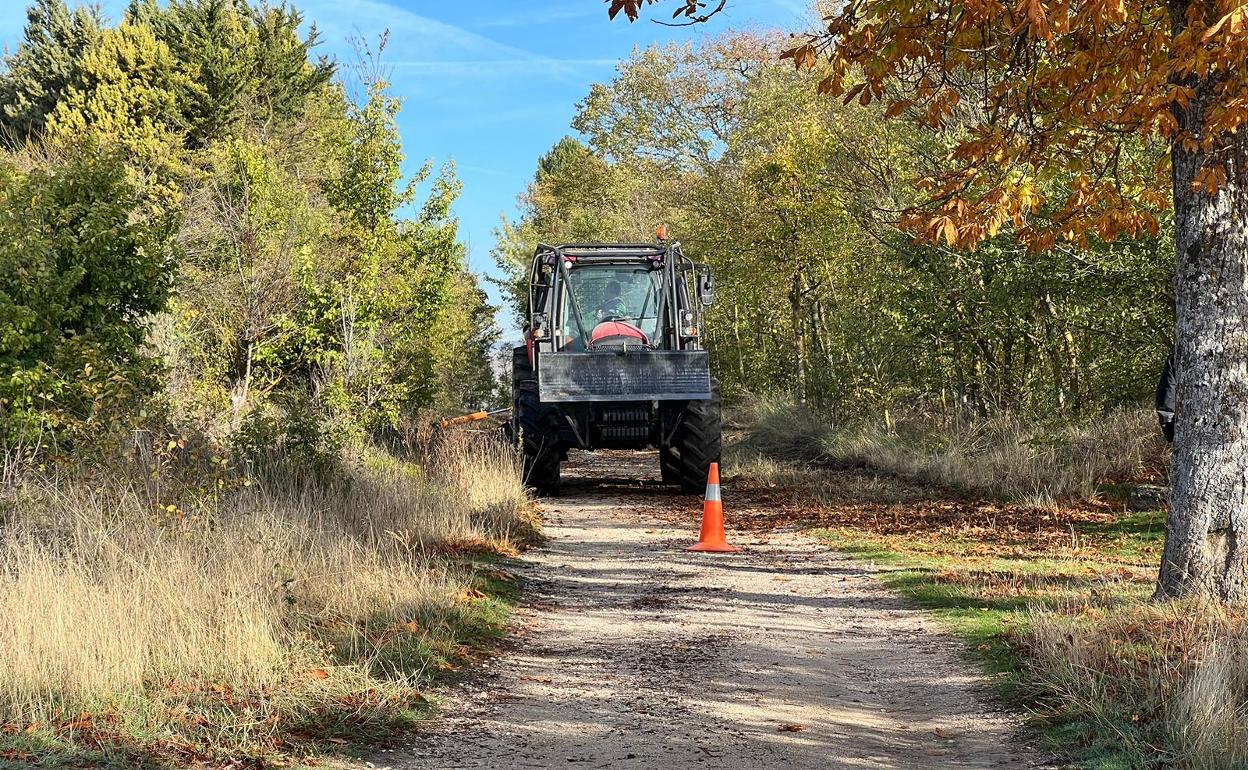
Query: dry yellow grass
[1167, 680]
[1003, 456]
[270, 600]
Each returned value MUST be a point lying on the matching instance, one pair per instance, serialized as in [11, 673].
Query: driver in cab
[615, 325]
[612, 307]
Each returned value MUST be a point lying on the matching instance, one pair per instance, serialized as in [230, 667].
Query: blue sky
[490, 84]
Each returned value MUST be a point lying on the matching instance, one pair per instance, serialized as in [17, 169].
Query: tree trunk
[1050, 349]
[799, 333]
[241, 390]
[801, 365]
[1207, 533]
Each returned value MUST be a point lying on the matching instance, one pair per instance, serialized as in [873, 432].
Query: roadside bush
[290, 438]
[79, 275]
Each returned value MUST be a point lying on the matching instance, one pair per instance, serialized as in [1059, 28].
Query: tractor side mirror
[706, 288]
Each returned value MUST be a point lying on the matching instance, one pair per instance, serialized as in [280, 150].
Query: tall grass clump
[1004, 455]
[776, 427]
[235, 617]
[1168, 681]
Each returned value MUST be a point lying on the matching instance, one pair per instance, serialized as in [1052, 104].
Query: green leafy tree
[126, 97]
[576, 196]
[253, 232]
[400, 307]
[80, 277]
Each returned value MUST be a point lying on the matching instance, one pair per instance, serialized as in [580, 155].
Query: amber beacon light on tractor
[613, 359]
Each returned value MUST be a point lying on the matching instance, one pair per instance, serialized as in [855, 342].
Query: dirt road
[636, 654]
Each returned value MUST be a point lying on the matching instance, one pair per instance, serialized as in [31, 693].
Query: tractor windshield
[627, 293]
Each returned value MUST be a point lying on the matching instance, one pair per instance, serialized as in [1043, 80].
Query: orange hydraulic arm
[475, 417]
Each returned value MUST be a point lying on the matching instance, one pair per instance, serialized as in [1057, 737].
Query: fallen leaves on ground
[923, 520]
[470, 595]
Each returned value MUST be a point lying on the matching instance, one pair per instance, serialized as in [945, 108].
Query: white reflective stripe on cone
[712, 492]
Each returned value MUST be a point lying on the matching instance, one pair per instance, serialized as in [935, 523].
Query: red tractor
[613, 359]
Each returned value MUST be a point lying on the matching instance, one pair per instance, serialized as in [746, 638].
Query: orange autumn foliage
[1037, 90]
[1041, 89]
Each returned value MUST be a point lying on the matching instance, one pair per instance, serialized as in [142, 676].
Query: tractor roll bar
[562, 266]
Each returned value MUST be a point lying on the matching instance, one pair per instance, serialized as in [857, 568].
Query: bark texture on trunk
[1207, 534]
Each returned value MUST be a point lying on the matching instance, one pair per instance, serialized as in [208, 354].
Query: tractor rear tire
[537, 426]
[695, 445]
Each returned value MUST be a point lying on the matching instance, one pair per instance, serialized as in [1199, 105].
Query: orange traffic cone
[713, 538]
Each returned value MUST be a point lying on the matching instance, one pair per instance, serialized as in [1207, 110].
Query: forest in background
[794, 199]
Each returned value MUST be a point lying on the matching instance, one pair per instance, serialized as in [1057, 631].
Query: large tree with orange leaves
[1037, 89]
